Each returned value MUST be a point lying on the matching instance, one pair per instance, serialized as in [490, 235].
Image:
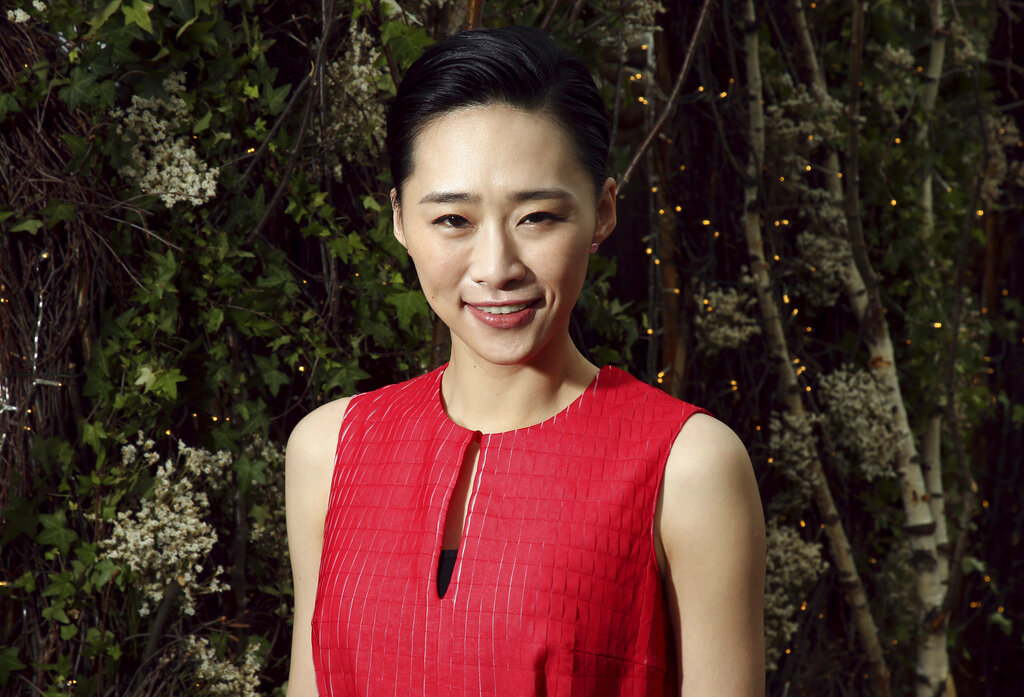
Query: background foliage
[195, 251]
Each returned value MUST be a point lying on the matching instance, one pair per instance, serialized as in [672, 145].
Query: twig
[316, 74]
[684, 70]
[551, 12]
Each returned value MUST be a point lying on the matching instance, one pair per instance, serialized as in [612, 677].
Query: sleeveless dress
[556, 588]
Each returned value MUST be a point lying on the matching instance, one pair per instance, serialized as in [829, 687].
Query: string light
[785, 299]
[803, 524]
[807, 168]
[839, 175]
[167, 432]
[984, 504]
[980, 212]
[937, 325]
[661, 211]
[650, 331]
[897, 140]
[705, 222]
[716, 233]
[251, 150]
[643, 47]
[649, 250]
[654, 189]
[678, 209]
[775, 257]
[682, 168]
[782, 179]
[302, 369]
[892, 202]
[810, 136]
[723, 95]
[700, 88]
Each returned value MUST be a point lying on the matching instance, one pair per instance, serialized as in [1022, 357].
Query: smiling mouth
[502, 309]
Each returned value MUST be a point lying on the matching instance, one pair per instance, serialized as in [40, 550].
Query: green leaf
[973, 564]
[92, 433]
[101, 17]
[56, 612]
[56, 532]
[9, 662]
[68, 631]
[409, 304]
[138, 14]
[166, 383]
[214, 318]
[8, 103]
[1002, 621]
[19, 518]
[203, 123]
[81, 90]
[58, 212]
[147, 378]
[28, 225]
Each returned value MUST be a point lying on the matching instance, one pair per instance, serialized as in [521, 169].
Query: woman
[517, 521]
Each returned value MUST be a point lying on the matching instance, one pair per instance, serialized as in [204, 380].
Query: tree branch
[684, 70]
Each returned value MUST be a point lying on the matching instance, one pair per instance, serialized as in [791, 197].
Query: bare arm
[309, 463]
[710, 539]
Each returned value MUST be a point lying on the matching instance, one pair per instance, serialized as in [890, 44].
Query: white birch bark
[842, 553]
[862, 291]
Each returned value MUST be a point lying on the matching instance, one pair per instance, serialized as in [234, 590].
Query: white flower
[39, 5]
[162, 162]
[724, 319]
[18, 16]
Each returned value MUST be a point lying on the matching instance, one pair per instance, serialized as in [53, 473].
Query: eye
[451, 220]
[541, 217]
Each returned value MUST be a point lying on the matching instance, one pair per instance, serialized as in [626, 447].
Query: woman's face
[499, 217]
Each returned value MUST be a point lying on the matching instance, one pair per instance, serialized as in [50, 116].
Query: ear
[396, 216]
[606, 215]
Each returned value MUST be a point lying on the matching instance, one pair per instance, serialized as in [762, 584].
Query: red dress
[556, 588]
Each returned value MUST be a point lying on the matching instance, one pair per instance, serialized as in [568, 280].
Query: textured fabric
[556, 589]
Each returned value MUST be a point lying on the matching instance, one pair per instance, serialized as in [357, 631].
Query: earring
[593, 248]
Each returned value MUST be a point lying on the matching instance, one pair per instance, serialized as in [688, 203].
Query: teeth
[503, 309]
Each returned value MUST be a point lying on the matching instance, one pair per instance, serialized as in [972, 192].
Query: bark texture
[842, 552]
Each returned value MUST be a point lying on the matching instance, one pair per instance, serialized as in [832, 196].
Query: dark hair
[521, 67]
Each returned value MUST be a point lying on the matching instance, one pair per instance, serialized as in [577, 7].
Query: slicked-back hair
[520, 67]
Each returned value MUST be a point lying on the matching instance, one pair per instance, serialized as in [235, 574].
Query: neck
[494, 398]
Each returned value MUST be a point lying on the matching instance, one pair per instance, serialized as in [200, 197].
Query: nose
[496, 261]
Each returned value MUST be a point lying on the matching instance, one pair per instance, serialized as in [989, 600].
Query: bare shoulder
[706, 453]
[309, 464]
[709, 493]
[318, 430]
[710, 536]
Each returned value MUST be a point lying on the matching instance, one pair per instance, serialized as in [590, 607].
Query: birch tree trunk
[842, 553]
[865, 298]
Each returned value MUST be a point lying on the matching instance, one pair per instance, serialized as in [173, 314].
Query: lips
[503, 315]
[501, 309]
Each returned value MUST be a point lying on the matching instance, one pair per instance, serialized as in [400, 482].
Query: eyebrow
[515, 196]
